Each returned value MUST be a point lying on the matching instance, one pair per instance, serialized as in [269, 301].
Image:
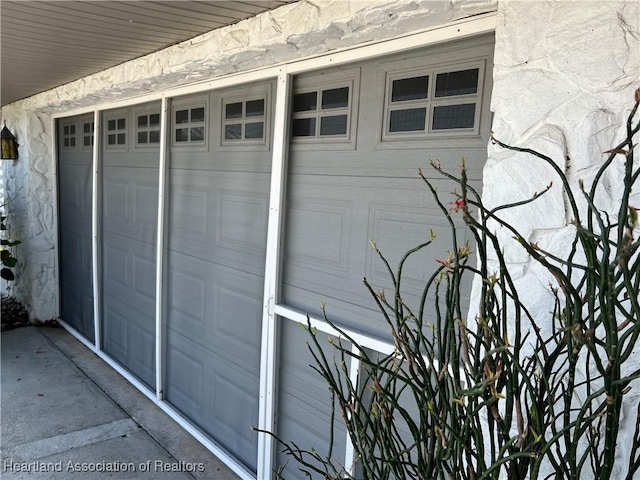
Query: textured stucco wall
[564, 80]
[288, 33]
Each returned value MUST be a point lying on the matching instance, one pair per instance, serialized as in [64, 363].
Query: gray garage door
[75, 154]
[359, 135]
[129, 218]
[219, 202]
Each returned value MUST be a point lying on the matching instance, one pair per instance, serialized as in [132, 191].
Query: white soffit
[45, 44]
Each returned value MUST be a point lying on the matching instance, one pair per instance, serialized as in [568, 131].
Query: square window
[142, 121]
[254, 130]
[304, 127]
[142, 137]
[182, 116]
[154, 136]
[197, 114]
[333, 125]
[254, 108]
[182, 135]
[454, 116]
[464, 82]
[335, 98]
[197, 134]
[409, 120]
[305, 102]
[111, 125]
[410, 89]
[233, 110]
[233, 132]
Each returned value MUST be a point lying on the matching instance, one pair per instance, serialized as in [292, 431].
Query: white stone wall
[288, 33]
[564, 80]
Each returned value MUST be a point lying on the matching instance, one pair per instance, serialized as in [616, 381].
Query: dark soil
[13, 314]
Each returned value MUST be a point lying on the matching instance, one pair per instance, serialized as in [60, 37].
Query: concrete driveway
[66, 414]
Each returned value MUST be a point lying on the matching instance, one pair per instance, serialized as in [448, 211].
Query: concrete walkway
[66, 414]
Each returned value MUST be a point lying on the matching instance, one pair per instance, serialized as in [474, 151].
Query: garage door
[219, 204]
[359, 135]
[75, 155]
[130, 159]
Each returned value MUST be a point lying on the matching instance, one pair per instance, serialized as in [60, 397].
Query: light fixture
[9, 145]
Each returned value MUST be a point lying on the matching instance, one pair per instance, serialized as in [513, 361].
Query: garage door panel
[221, 217]
[217, 307]
[304, 400]
[130, 202]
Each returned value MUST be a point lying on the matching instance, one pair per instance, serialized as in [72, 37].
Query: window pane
[182, 116]
[463, 82]
[72, 129]
[121, 124]
[111, 125]
[233, 132]
[409, 89]
[254, 130]
[72, 142]
[142, 137]
[111, 139]
[121, 139]
[408, 120]
[154, 120]
[65, 129]
[87, 141]
[142, 121]
[335, 125]
[66, 142]
[154, 136]
[233, 110]
[86, 127]
[182, 135]
[335, 98]
[303, 102]
[304, 127]
[197, 114]
[454, 116]
[255, 108]
[197, 134]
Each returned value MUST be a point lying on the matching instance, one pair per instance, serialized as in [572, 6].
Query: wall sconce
[9, 145]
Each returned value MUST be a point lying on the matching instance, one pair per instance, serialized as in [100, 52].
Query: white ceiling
[45, 44]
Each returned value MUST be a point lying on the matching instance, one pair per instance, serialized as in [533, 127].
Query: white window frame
[318, 83]
[90, 135]
[116, 116]
[191, 104]
[146, 112]
[431, 102]
[68, 137]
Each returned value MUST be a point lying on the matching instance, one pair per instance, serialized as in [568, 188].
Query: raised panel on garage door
[218, 208]
[75, 160]
[130, 150]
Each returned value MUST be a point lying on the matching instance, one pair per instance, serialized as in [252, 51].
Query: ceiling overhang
[45, 44]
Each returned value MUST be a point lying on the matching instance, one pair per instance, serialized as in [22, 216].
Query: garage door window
[116, 133]
[322, 113]
[147, 129]
[243, 121]
[189, 126]
[87, 135]
[69, 136]
[433, 102]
